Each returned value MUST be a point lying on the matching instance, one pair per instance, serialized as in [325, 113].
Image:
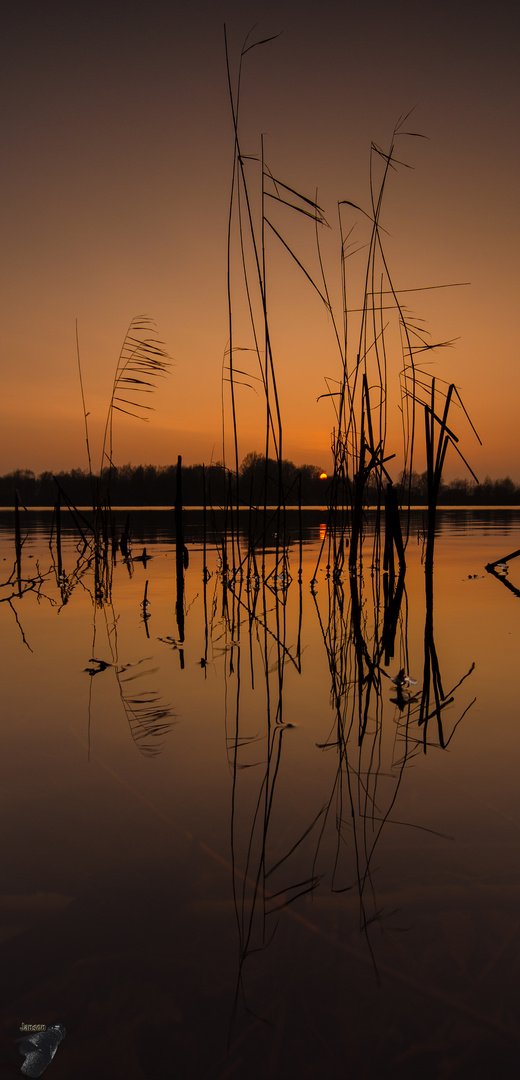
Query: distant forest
[151, 485]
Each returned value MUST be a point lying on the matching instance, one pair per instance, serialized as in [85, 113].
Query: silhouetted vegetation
[155, 485]
[151, 485]
[502, 492]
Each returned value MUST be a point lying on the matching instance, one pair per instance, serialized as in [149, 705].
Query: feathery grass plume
[142, 360]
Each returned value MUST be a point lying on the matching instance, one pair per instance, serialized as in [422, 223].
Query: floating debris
[403, 680]
[102, 665]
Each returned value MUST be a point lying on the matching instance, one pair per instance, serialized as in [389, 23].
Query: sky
[116, 178]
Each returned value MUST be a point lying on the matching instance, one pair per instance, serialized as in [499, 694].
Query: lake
[271, 829]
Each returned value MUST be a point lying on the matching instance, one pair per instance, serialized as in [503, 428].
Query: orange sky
[117, 165]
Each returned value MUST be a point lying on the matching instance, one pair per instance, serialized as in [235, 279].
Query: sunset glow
[118, 156]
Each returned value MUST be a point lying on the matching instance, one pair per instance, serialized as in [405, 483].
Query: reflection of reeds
[18, 542]
[256, 630]
[16, 583]
[149, 719]
[432, 681]
[262, 885]
[180, 557]
[499, 570]
[359, 634]
[372, 753]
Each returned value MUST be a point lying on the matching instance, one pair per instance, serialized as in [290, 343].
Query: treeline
[151, 485]
[489, 492]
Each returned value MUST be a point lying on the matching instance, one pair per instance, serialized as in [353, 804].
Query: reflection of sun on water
[323, 530]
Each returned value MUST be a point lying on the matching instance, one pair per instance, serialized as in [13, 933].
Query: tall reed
[247, 223]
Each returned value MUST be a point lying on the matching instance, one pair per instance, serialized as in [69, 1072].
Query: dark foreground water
[229, 848]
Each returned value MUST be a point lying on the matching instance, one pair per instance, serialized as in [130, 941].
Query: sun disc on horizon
[323, 476]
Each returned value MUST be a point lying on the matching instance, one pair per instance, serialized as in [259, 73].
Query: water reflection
[330, 689]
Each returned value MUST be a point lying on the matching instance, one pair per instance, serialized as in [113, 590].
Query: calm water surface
[229, 849]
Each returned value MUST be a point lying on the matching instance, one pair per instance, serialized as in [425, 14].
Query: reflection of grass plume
[149, 720]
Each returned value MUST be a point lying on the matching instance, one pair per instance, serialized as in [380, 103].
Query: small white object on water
[403, 680]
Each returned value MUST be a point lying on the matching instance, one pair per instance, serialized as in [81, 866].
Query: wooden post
[58, 534]
[18, 542]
